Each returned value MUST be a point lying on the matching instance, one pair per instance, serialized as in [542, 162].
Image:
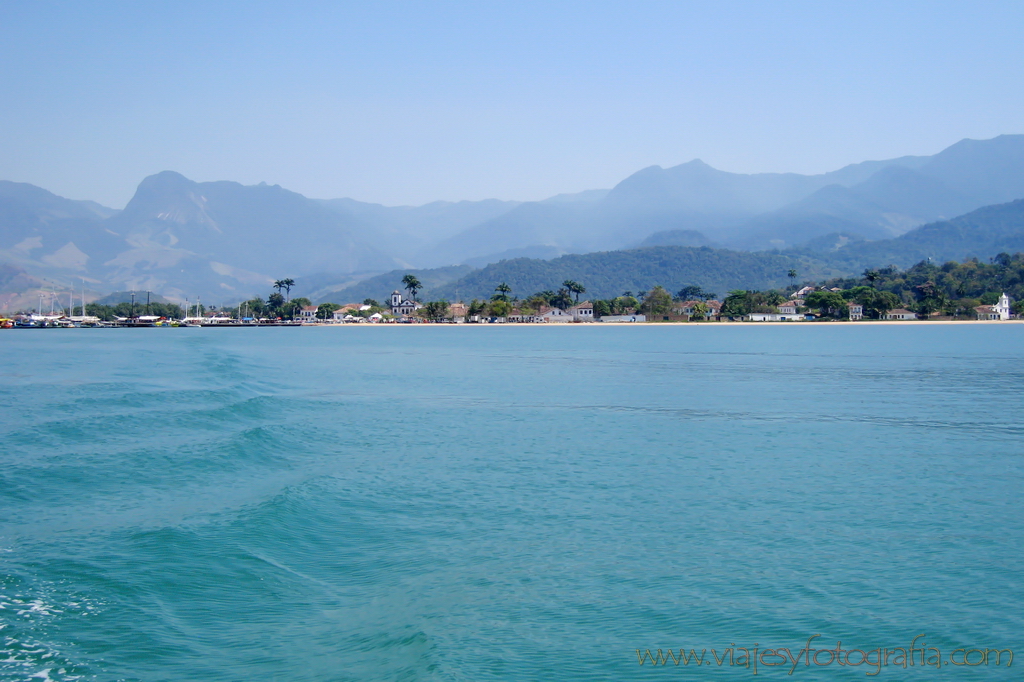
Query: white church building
[999, 311]
[400, 307]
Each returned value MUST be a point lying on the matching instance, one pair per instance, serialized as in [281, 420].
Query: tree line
[953, 289]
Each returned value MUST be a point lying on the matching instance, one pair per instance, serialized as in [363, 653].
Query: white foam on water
[24, 652]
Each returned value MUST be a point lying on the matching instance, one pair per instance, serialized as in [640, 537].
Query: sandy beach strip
[608, 325]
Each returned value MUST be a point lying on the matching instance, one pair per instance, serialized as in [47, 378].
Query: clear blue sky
[404, 103]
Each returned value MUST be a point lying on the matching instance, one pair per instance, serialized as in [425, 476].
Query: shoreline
[612, 325]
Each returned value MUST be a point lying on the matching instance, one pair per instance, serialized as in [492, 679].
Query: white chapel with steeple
[402, 306]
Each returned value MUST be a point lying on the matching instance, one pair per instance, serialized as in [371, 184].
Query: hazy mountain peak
[170, 197]
[991, 171]
[164, 181]
[1001, 145]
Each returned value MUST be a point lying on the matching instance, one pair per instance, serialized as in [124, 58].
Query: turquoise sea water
[481, 503]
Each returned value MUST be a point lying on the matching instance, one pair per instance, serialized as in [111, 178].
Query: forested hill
[380, 287]
[608, 274]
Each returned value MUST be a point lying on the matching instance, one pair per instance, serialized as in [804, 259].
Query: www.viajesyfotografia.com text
[916, 655]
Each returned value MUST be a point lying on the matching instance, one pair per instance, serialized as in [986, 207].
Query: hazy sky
[404, 103]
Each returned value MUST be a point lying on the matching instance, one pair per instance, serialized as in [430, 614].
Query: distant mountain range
[225, 241]
[979, 234]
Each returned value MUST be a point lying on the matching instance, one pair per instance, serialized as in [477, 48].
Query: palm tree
[503, 291]
[872, 276]
[562, 299]
[792, 275]
[285, 284]
[574, 288]
[412, 285]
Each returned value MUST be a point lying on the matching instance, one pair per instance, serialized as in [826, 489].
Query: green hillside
[380, 287]
[608, 274]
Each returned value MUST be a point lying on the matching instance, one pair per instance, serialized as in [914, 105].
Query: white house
[583, 312]
[546, 314]
[999, 311]
[307, 313]
[856, 311]
[788, 308]
[900, 314]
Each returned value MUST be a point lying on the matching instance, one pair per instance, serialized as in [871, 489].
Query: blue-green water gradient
[492, 503]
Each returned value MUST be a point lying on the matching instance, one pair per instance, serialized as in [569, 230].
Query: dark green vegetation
[608, 274]
[381, 286]
[276, 307]
[825, 304]
[125, 310]
[951, 288]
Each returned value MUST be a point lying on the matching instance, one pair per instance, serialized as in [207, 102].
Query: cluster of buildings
[855, 311]
[405, 309]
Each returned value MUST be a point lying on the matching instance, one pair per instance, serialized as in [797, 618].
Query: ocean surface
[497, 503]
